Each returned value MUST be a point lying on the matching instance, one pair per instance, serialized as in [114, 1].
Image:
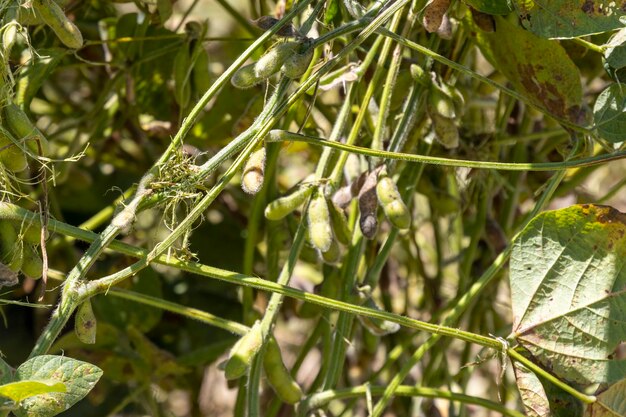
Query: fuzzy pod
[283, 206]
[320, 229]
[11, 249]
[10, 24]
[446, 131]
[53, 16]
[391, 202]
[340, 225]
[368, 204]
[439, 102]
[85, 323]
[297, 64]
[11, 156]
[245, 77]
[333, 255]
[32, 266]
[377, 327]
[19, 123]
[352, 168]
[285, 387]
[433, 14]
[243, 352]
[273, 60]
[254, 172]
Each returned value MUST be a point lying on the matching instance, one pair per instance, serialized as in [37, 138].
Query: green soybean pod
[283, 206]
[63, 27]
[273, 60]
[340, 224]
[446, 131]
[254, 172]
[11, 156]
[11, 249]
[318, 216]
[333, 255]
[377, 327]
[391, 202]
[243, 352]
[297, 64]
[85, 324]
[19, 123]
[439, 102]
[32, 266]
[245, 77]
[278, 376]
[9, 22]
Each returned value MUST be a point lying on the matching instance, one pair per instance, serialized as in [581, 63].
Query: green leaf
[615, 52]
[610, 403]
[570, 18]
[544, 399]
[79, 378]
[498, 7]
[540, 69]
[6, 372]
[609, 113]
[568, 274]
[20, 390]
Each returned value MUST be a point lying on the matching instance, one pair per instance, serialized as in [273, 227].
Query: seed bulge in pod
[85, 323]
[283, 206]
[368, 204]
[243, 352]
[278, 376]
[391, 202]
[433, 14]
[297, 64]
[341, 228]
[245, 77]
[441, 103]
[32, 266]
[19, 123]
[446, 131]
[11, 156]
[318, 216]
[254, 172]
[52, 14]
[273, 60]
[333, 255]
[11, 249]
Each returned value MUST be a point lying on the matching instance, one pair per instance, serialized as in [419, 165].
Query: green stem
[281, 135]
[321, 399]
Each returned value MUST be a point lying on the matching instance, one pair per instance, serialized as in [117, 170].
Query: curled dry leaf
[368, 203]
[434, 13]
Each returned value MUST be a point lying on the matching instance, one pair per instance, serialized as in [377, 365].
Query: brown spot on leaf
[588, 7]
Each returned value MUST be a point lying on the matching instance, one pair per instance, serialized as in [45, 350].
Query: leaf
[568, 274]
[6, 372]
[538, 68]
[615, 52]
[20, 390]
[79, 378]
[610, 403]
[542, 398]
[498, 7]
[570, 18]
[609, 113]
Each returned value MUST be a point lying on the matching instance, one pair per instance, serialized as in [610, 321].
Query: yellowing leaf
[538, 68]
[568, 280]
[20, 390]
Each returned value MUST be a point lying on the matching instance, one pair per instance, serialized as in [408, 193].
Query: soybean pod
[283, 206]
[85, 323]
[254, 172]
[278, 376]
[243, 352]
[273, 60]
[19, 123]
[32, 266]
[11, 251]
[53, 16]
[320, 230]
[391, 202]
[11, 156]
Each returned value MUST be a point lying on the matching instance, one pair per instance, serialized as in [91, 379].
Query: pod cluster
[43, 12]
[17, 135]
[445, 106]
[19, 252]
[291, 57]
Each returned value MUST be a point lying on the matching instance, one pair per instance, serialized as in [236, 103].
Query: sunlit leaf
[570, 18]
[615, 52]
[568, 274]
[6, 374]
[77, 376]
[540, 69]
[609, 113]
[20, 390]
